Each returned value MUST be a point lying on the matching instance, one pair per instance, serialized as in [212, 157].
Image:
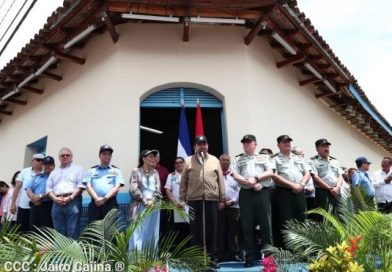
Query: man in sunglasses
[64, 186]
[23, 210]
[40, 203]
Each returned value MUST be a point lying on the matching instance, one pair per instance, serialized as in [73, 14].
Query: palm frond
[309, 238]
[101, 234]
[329, 218]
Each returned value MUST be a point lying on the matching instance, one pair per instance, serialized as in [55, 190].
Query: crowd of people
[239, 204]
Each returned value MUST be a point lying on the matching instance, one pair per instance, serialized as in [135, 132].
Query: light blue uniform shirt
[38, 184]
[362, 180]
[103, 179]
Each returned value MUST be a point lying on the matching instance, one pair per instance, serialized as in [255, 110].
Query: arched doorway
[161, 111]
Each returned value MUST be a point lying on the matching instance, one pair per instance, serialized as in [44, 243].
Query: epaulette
[239, 155]
[276, 154]
[95, 166]
[332, 158]
[114, 166]
[314, 157]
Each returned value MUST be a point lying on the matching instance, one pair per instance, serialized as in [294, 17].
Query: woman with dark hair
[145, 192]
[6, 201]
[3, 192]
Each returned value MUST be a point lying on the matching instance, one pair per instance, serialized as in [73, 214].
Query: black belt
[64, 195]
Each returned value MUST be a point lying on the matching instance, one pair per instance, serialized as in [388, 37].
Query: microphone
[202, 154]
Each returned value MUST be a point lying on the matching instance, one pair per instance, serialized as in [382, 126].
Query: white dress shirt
[383, 190]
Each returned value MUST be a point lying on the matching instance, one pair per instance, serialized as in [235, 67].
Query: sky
[358, 31]
[360, 34]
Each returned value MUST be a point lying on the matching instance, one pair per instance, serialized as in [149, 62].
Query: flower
[354, 244]
[269, 264]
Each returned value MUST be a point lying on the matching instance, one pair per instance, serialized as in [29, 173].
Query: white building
[257, 67]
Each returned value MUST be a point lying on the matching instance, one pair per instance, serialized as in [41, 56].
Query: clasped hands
[252, 182]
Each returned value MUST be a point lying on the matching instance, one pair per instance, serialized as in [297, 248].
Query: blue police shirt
[362, 180]
[37, 184]
[103, 179]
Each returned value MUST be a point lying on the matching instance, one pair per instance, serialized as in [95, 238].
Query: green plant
[336, 258]
[356, 217]
[104, 242]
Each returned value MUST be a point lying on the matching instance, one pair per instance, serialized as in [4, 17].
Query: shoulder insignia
[239, 155]
[276, 154]
[332, 158]
[114, 166]
[314, 157]
[95, 166]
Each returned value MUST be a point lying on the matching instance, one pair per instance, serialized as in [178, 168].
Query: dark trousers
[23, 219]
[288, 206]
[183, 231]
[310, 205]
[196, 225]
[324, 199]
[41, 216]
[165, 223]
[228, 230]
[255, 209]
[385, 207]
[99, 213]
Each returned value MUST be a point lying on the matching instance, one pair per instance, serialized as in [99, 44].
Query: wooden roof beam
[182, 10]
[66, 56]
[309, 80]
[110, 26]
[5, 112]
[32, 89]
[185, 34]
[275, 28]
[16, 101]
[52, 76]
[260, 25]
[290, 60]
[324, 94]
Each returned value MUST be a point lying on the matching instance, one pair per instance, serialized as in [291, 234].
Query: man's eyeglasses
[179, 162]
[65, 155]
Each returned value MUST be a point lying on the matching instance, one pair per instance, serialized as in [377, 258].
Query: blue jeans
[66, 219]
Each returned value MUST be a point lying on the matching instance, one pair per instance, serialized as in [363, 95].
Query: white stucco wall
[98, 102]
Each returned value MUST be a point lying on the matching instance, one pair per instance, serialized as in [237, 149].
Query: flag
[184, 145]
[199, 131]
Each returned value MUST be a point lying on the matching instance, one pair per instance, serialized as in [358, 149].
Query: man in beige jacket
[202, 183]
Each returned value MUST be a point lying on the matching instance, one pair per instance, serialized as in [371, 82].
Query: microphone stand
[204, 211]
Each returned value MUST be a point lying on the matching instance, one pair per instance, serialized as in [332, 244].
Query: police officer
[253, 173]
[103, 181]
[291, 176]
[327, 176]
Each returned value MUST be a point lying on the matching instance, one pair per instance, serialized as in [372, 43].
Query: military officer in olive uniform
[327, 175]
[253, 172]
[292, 174]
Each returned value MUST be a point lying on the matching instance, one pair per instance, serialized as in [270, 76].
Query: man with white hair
[65, 187]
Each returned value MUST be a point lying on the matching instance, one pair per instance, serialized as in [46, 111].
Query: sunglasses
[65, 155]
